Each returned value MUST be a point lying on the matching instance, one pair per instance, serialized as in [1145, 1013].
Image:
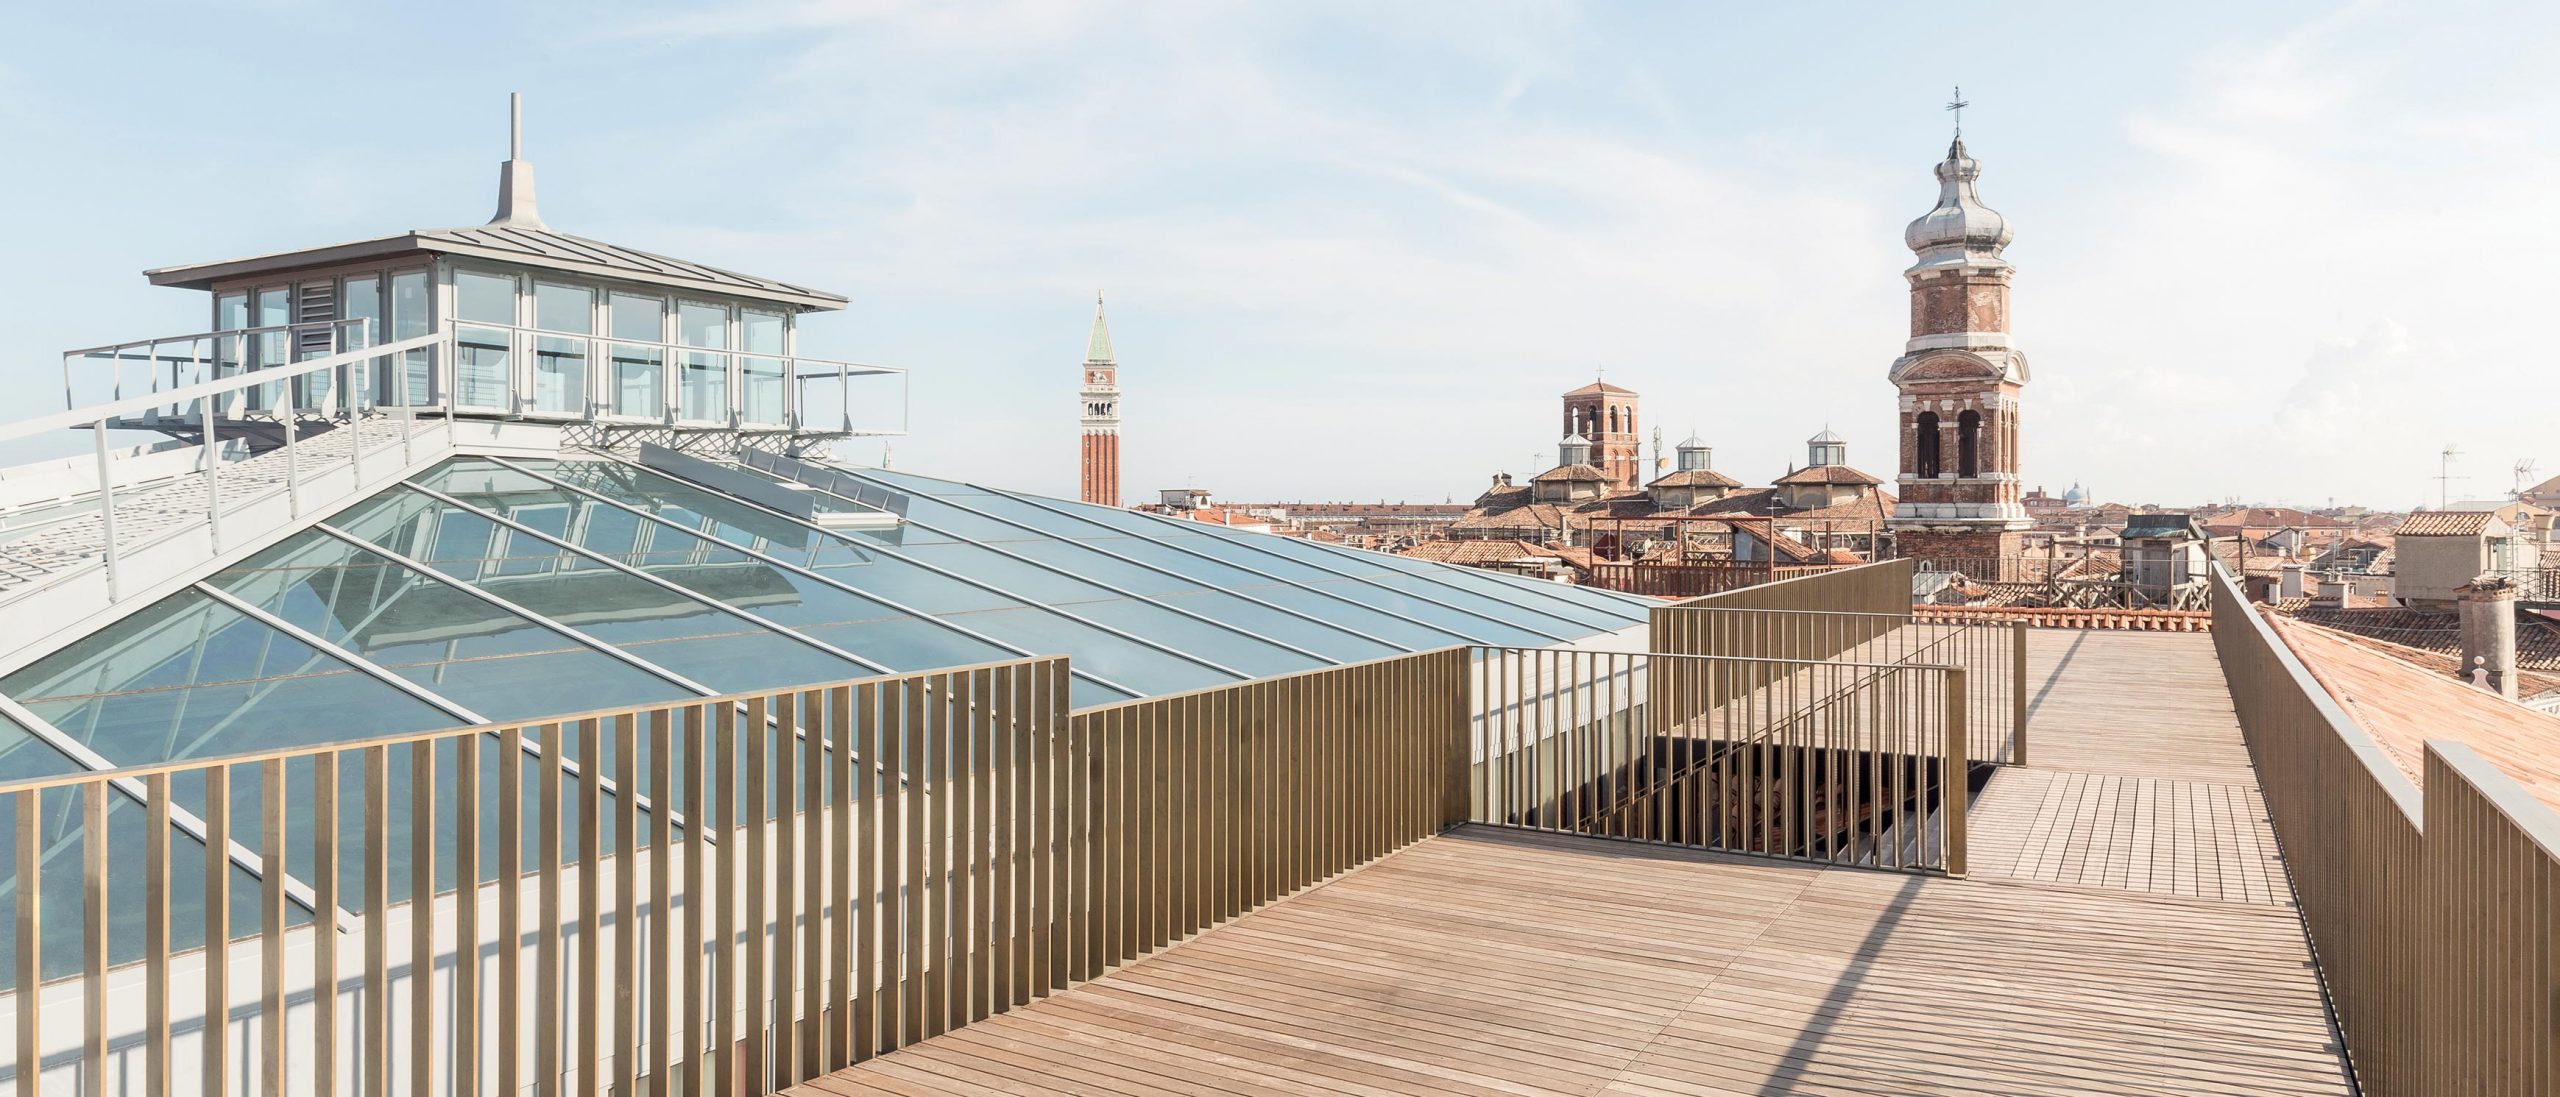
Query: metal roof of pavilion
[533, 247]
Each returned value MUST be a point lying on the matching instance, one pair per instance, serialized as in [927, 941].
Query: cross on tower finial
[1957, 105]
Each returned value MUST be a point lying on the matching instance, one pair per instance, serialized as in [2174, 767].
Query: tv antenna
[2445, 476]
[2524, 475]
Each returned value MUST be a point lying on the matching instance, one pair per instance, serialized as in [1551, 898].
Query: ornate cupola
[1694, 455]
[1826, 448]
[1959, 376]
[1574, 450]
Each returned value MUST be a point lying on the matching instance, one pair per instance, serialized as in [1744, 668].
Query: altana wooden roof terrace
[2125, 927]
[1792, 841]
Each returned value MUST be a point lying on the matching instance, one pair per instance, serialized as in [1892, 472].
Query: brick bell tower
[1959, 378]
[1101, 397]
[1606, 414]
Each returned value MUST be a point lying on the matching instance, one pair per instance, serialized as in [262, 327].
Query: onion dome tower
[1959, 377]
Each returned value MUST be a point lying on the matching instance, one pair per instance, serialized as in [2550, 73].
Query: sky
[2280, 253]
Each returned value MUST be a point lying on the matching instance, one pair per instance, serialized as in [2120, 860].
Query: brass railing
[1691, 580]
[2435, 916]
[1881, 587]
[751, 890]
[2491, 949]
[1992, 653]
[1834, 762]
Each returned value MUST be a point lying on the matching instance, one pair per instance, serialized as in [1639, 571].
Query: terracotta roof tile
[2445, 523]
[1826, 474]
[2402, 705]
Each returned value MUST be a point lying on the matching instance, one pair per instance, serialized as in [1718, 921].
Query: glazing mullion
[805, 572]
[1205, 529]
[469, 590]
[1527, 586]
[242, 857]
[503, 522]
[884, 550]
[1232, 538]
[1224, 626]
[1131, 561]
[380, 673]
[1317, 591]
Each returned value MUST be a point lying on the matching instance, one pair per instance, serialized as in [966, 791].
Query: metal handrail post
[106, 504]
[2018, 695]
[1955, 774]
[212, 474]
[292, 459]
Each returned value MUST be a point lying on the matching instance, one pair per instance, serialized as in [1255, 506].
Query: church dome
[1960, 224]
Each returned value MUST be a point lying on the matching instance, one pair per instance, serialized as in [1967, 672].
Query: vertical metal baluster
[546, 929]
[588, 998]
[626, 906]
[422, 916]
[884, 763]
[30, 813]
[377, 914]
[755, 1073]
[155, 942]
[975, 845]
[782, 1046]
[625, 972]
[93, 969]
[936, 828]
[697, 764]
[324, 921]
[510, 1049]
[813, 869]
[217, 928]
[724, 931]
[271, 878]
[916, 749]
[847, 1020]
[1008, 936]
[662, 942]
[466, 913]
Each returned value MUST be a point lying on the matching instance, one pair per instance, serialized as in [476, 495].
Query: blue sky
[2274, 252]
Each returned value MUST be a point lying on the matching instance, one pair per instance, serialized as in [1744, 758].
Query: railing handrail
[2403, 791]
[92, 414]
[454, 324]
[264, 329]
[406, 738]
[1727, 658]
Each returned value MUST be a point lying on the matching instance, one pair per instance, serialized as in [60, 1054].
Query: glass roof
[492, 589]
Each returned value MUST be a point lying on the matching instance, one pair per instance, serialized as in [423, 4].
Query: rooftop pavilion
[513, 322]
[419, 717]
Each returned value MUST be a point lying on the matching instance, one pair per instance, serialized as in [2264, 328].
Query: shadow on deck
[2127, 929]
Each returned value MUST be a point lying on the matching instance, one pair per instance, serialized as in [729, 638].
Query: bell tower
[1959, 378]
[1100, 394]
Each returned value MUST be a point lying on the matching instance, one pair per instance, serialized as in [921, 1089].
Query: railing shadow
[1819, 1023]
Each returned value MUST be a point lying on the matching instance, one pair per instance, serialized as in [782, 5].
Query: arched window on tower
[1924, 448]
[1969, 444]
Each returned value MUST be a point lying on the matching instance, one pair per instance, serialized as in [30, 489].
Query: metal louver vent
[314, 303]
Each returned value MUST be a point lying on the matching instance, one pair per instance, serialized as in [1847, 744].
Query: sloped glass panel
[843, 558]
[474, 653]
[188, 677]
[891, 637]
[704, 643]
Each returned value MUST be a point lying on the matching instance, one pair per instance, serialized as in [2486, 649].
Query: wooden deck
[2126, 930]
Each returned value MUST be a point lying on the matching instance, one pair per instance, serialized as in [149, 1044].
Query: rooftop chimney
[2487, 606]
[515, 177]
[2292, 583]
